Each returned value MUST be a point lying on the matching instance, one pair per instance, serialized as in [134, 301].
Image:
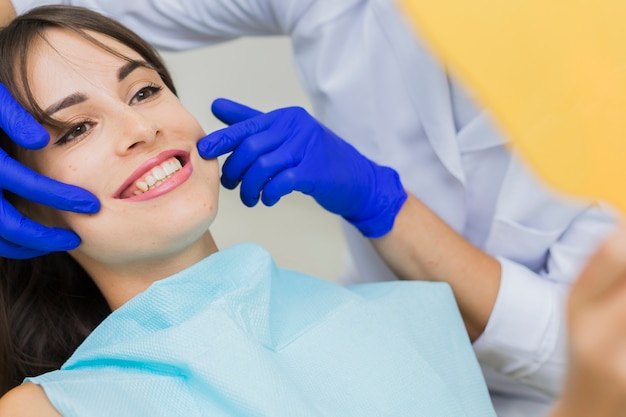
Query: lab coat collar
[430, 95]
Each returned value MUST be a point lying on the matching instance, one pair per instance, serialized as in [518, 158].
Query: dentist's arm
[421, 246]
[288, 150]
[21, 237]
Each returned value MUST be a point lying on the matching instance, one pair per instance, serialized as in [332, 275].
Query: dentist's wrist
[386, 200]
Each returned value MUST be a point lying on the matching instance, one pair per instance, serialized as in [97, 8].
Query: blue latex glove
[21, 237]
[284, 150]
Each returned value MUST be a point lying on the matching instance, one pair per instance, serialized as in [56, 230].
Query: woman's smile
[156, 176]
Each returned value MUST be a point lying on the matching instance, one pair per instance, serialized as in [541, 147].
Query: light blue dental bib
[236, 336]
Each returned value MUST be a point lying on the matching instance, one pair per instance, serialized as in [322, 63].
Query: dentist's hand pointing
[288, 150]
[21, 237]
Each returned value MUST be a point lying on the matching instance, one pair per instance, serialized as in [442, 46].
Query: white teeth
[143, 186]
[170, 167]
[157, 175]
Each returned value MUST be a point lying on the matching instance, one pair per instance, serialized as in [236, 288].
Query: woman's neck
[120, 283]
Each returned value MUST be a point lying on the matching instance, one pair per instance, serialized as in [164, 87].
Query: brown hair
[49, 305]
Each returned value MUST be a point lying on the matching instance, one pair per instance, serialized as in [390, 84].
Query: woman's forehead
[70, 44]
[64, 57]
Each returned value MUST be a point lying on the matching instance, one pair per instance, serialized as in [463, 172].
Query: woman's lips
[156, 177]
[153, 178]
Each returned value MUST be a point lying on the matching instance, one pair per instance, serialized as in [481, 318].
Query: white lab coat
[372, 82]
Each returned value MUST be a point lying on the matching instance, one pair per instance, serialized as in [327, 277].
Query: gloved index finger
[25, 182]
[18, 124]
[231, 112]
[226, 140]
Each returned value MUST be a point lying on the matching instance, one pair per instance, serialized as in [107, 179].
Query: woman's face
[130, 142]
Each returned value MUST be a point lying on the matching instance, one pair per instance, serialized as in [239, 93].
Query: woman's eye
[145, 93]
[77, 131]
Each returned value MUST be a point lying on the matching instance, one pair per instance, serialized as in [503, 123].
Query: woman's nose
[135, 130]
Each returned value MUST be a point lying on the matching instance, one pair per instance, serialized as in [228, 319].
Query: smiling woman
[116, 111]
[109, 105]
[147, 315]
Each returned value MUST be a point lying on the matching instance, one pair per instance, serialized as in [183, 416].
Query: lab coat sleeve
[525, 337]
[187, 24]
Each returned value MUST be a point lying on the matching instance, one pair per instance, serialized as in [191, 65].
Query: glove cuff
[387, 200]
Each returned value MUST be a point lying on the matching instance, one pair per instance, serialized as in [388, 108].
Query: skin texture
[28, 400]
[7, 12]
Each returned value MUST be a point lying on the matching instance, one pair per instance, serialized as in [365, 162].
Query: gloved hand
[284, 150]
[21, 237]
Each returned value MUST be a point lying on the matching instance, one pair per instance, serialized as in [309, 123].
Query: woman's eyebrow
[68, 101]
[129, 67]
[77, 98]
